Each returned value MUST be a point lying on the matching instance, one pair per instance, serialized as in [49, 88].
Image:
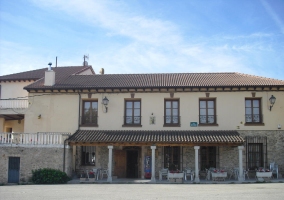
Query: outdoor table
[218, 176]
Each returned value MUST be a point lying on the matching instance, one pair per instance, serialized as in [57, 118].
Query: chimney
[49, 77]
[102, 71]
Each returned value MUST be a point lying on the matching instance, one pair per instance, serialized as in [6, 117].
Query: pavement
[127, 191]
[164, 181]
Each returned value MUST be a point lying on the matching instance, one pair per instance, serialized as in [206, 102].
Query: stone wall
[275, 145]
[32, 158]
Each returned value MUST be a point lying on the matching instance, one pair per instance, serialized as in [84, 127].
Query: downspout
[79, 110]
[64, 154]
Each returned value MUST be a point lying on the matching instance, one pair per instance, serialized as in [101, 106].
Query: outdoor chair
[188, 172]
[163, 172]
[96, 171]
[104, 172]
[246, 174]
[274, 169]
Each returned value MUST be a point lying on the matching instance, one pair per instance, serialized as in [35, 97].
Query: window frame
[133, 124]
[171, 108]
[252, 111]
[207, 108]
[83, 121]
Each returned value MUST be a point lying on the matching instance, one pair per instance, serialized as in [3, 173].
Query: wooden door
[120, 163]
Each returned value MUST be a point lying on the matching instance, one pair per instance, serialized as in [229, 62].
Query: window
[171, 112]
[253, 112]
[207, 112]
[256, 152]
[90, 113]
[88, 155]
[209, 157]
[255, 156]
[172, 157]
[132, 112]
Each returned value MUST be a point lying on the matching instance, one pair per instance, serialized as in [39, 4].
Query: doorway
[14, 170]
[209, 157]
[132, 164]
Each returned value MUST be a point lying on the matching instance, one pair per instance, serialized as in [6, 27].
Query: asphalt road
[271, 191]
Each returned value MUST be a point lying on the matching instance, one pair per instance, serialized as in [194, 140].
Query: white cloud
[273, 15]
[151, 45]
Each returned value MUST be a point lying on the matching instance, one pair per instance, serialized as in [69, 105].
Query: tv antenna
[85, 63]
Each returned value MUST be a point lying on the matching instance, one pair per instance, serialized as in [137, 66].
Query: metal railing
[40, 138]
[87, 120]
[207, 119]
[171, 119]
[132, 120]
[253, 118]
[14, 103]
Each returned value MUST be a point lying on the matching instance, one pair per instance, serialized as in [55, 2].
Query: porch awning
[155, 137]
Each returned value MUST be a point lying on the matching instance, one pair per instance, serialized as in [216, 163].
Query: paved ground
[271, 191]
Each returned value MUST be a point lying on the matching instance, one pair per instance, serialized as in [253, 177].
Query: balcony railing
[14, 103]
[253, 118]
[132, 120]
[90, 121]
[171, 120]
[207, 119]
[41, 138]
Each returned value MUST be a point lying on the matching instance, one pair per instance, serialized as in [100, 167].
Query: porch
[115, 144]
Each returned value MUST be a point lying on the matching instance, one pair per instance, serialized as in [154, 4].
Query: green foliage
[49, 176]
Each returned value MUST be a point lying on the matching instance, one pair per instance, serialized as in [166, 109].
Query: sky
[144, 36]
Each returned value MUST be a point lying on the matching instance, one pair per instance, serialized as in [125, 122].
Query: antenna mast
[85, 63]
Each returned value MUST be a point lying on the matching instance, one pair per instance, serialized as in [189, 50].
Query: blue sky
[144, 36]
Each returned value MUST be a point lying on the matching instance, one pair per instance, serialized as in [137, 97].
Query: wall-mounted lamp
[272, 100]
[105, 103]
[39, 117]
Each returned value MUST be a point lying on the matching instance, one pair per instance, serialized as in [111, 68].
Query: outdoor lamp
[105, 102]
[272, 100]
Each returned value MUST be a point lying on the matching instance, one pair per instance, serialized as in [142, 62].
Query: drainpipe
[64, 154]
[79, 110]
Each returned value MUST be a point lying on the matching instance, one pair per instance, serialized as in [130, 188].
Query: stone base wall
[32, 158]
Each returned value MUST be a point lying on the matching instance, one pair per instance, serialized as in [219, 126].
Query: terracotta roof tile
[61, 72]
[165, 137]
[113, 81]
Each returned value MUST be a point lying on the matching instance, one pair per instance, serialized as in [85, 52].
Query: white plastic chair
[104, 172]
[246, 174]
[188, 172]
[274, 169]
[95, 170]
[163, 172]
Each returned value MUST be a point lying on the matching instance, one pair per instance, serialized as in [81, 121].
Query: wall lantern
[272, 100]
[105, 103]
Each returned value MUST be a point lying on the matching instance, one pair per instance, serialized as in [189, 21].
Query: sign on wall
[193, 124]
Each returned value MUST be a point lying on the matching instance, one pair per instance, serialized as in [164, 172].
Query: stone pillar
[109, 177]
[196, 164]
[153, 170]
[241, 170]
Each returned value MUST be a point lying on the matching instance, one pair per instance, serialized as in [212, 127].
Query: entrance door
[14, 170]
[132, 164]
[209, 157]
[120, 163]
